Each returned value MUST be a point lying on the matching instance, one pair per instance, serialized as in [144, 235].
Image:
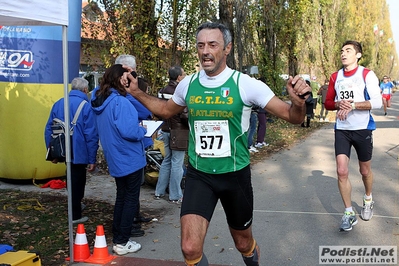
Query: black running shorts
[202, 192]
[361, 140]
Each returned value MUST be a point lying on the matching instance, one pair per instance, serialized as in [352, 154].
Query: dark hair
[111, 79]
[215, 25]
[262, 79]
[356, 45]
[174, 72]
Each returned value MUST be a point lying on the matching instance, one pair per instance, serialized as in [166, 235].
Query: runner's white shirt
[252, 91]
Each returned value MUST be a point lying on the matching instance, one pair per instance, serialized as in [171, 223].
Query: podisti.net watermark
[358, 255]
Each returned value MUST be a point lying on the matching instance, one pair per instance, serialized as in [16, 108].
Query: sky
[394, 11]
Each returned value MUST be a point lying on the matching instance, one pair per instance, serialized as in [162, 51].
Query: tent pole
[67, 140]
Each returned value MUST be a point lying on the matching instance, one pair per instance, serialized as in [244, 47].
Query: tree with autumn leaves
[280, 37]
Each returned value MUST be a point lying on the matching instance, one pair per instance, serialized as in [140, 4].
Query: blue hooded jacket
[143, 114]
[85, 136]
[120, 134]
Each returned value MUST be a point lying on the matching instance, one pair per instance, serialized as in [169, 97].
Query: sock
[349, 209]
[202, 261]
[368, 198]
[252, 258]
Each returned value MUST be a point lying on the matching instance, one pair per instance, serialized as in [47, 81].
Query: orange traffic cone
[100, 252]
[81, 250]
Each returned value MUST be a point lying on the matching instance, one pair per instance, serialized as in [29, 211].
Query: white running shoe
[367, 211]
[129, 247]
[259, 145]
[252, 149]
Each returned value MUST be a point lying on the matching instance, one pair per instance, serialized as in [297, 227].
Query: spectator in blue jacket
[121, 137]
[84, 142]
[144, 114]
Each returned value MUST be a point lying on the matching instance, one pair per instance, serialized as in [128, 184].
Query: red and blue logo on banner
[33, 54]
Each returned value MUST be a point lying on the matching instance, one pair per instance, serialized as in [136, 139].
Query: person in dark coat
[171, 172]
[309, 108]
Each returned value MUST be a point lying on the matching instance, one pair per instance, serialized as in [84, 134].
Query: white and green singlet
[219, 111]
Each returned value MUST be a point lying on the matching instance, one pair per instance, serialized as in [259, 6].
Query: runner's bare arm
[294, 112]
[158, 107]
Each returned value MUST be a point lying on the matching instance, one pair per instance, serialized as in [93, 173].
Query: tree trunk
[226, 17]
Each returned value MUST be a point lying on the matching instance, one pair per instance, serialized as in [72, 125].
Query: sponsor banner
[373, 255]
[33, 54]
[39, 62]
[31, 80]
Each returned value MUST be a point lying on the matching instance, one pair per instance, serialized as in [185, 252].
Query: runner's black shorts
[202, 192]
[361, 140]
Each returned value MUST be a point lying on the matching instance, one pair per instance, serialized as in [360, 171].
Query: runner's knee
[342, 173]
[191, 251]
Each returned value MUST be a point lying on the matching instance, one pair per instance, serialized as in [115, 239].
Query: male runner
[353, 91]
[386, 90]
[219, 101]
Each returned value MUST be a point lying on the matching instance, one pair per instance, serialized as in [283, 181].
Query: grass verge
[39, 222]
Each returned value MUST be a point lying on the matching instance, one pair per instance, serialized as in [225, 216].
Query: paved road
[297, 205]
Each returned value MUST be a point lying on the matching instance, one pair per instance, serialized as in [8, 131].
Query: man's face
[183, 74]
[348, 55]
[385, 80]
[211, 52]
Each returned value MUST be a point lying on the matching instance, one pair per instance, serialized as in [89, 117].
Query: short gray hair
[126, 60]
[215, 25]
[79, 84]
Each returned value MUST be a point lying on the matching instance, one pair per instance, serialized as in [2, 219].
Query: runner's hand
[344, 107]
[298, 90]
[130, 83]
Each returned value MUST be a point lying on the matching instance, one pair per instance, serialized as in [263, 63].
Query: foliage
[129, 28]
[359, 20]
[265, 22]
[279, 36]
[328, 19]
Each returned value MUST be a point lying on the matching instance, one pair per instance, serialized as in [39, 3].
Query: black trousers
[78, 183]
